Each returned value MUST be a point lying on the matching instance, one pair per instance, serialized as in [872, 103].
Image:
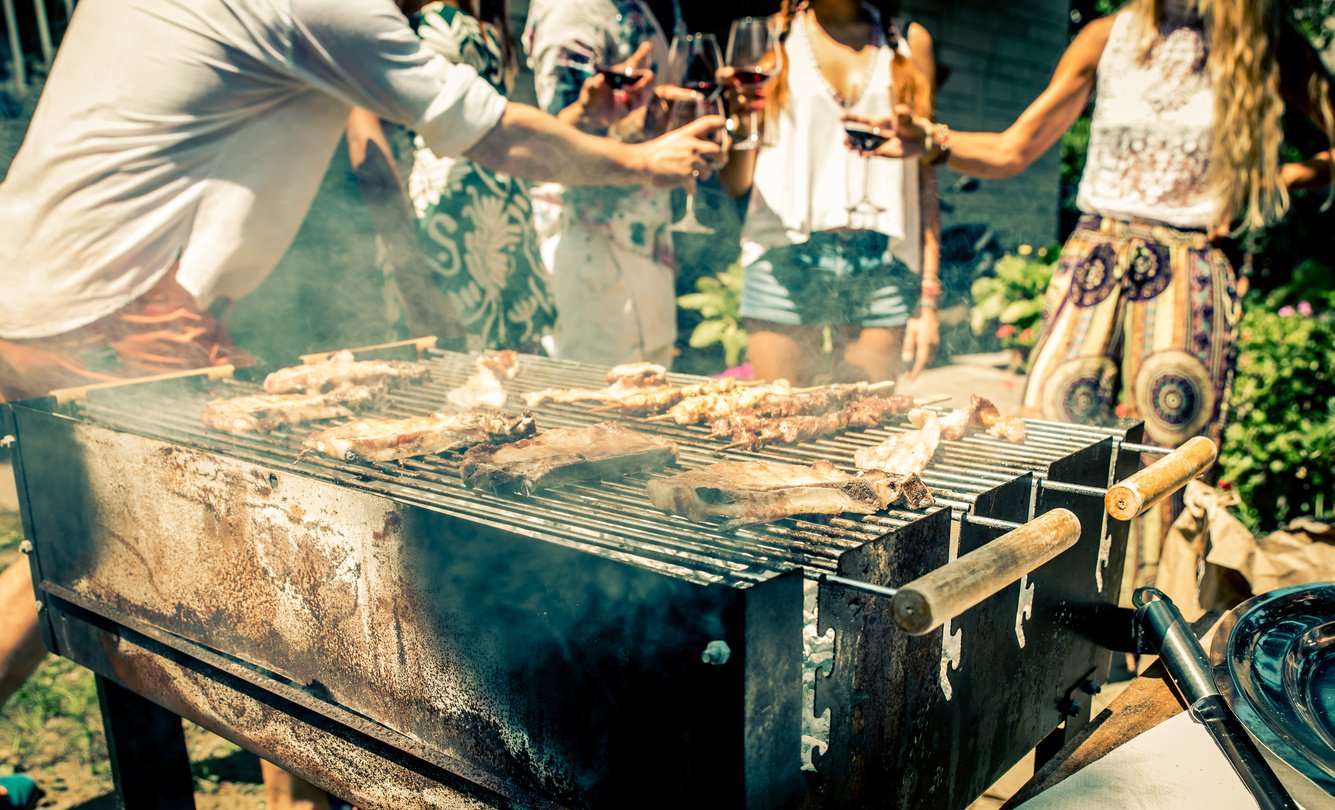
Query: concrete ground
[986, 375]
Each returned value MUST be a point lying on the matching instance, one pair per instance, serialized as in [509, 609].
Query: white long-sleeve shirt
[195, 133]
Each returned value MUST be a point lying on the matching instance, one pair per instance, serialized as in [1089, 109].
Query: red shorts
[161, 331]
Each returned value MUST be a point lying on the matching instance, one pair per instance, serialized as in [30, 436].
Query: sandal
[19, 792]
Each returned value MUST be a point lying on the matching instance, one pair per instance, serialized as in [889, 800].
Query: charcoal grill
[403, 641]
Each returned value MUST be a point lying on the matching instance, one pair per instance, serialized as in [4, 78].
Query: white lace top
[809, 179]
[1150, 137]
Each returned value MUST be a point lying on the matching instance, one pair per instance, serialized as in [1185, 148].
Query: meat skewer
[339, 370]
[753, 432]
[650, 401]
[264, 412]
[623, 380]
[389, 439]
[711, 407]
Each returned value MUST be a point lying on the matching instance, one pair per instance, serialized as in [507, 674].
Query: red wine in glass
[620, 78]
[750, 77]
[863, 138]
[704, 88]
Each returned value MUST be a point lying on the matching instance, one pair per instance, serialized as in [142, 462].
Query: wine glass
[694, 62]
[620, 42]
[864, 140]
[754, 58]
[683, 110]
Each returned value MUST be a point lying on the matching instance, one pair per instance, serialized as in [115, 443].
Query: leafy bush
[1009, 303]
[1279, 448]
[718, 299]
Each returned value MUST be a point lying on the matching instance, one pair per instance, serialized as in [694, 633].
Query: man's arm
[529, 143]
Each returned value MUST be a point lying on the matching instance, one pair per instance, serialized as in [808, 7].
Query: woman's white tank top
[808, 181]
[1151, 132]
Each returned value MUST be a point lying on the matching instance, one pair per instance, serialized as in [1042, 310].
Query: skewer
[934, 399]
[872, 388]
[917, 403]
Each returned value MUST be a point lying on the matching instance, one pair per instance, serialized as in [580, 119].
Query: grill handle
[929, 601]
[1138, 493]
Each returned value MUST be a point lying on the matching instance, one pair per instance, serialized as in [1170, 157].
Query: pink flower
[1286, 312]
[1121, 410]
[1027, 335]
[1006, 330]
[1226, 485]
[742, 372]
[1304, 309]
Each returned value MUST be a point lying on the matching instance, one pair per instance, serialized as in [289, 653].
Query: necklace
[876, 43]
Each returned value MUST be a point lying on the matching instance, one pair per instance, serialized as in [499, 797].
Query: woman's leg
[777, 351]
[877, 351]
[21, 648]
[283, 791]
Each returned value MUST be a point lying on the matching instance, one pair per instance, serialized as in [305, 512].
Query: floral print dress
[476, 225]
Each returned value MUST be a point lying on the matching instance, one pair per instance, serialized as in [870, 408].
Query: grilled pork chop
[485, 389]
[562, 456]
[638, 375]
[747, 492]
[388, 439]
[264, 412]
[904, 453]
[340, 369]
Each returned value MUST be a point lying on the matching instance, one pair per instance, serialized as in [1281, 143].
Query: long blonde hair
[1243, 38]
[910, 86]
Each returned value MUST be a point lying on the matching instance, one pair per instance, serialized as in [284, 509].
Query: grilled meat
[341, 369]
[656, 400]
[638, 375]
[562, 456]
[485, 388]
[904, 453]
[747, 492]
[754, 432]
[709, 407]
[1006, 428]
[630, 379]
[264, 412]
[979, 413]
[387, 439]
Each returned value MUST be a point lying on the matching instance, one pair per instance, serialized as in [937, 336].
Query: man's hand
[682, 154]
[922, 336]
[909, 136]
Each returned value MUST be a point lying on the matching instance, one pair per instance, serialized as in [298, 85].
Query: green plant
[1009, 302]
[1279, 448]
[718, 299]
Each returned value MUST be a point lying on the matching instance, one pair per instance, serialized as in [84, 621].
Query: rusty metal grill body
[397, 637]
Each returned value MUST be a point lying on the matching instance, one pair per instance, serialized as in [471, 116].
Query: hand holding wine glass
[623, 79]
[684, 154]
[686, 110]
[904, 135]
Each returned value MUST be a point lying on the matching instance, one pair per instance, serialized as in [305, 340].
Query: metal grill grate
[609, 518]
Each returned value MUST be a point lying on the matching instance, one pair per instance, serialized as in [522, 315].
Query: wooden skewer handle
[1138, 493]
[422, 344]
[929, 601]
[79, 393]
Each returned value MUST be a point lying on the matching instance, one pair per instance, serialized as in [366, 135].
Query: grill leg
[147, 748]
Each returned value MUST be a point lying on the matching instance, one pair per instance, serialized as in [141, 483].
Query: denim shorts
[832, 278]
